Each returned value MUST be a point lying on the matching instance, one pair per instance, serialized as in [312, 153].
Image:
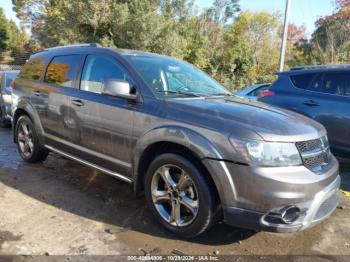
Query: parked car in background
[6, 78]
[253, 92]
[194, 150]
[321, 93]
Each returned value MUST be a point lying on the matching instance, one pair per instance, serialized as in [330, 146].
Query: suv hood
[233, 113]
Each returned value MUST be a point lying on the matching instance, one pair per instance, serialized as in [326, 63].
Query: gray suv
[196, 152]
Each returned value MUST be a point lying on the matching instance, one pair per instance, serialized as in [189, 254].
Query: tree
[223, 10]
[331, 39]
[297, 44]
[3, 31]
[296, 34]
[252, 48]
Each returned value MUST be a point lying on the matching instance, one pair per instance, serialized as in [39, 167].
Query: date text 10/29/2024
[172, 258]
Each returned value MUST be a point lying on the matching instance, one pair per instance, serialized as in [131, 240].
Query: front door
[104, 123]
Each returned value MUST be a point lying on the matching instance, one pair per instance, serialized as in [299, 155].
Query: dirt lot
[63, 208]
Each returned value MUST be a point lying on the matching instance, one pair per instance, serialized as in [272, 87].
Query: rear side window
[62, 70]
[346, 91]
[33, 69]
[302, 81]
[336, 83]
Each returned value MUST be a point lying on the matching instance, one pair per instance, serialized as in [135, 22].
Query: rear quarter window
[33, 69]
[62, 70]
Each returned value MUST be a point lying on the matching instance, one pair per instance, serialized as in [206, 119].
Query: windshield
[170, 77]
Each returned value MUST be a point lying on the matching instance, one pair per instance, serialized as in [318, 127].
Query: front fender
[188, 138]
[203, 148]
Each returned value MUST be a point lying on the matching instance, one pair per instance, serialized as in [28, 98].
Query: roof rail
[330, 66]
[75, 45]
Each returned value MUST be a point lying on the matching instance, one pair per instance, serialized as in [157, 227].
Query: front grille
[315, 153]
[309, 145]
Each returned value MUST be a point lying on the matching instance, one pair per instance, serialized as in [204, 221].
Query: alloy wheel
[25, 139]
[174, 195]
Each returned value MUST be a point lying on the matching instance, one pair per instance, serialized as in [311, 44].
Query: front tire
[28, 142]
[179, 196]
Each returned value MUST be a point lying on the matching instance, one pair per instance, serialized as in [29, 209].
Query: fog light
[290, 214]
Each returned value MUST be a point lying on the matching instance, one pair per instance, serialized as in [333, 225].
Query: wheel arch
[173, 139]
[24, 108]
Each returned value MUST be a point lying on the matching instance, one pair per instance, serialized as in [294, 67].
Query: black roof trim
[329, 66]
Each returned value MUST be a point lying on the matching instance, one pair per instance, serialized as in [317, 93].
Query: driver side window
[97, 69]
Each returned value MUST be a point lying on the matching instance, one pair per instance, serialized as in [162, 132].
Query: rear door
[325, 100]
[104, 123]
[334, 104]
[53, 94]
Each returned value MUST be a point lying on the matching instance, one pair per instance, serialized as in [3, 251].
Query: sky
[302, 12]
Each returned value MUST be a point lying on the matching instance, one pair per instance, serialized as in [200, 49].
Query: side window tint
[335, 83]
[33, 69]
[346, 87]
[302, 81]
[316, 83]
[97, 69]
[62, 70]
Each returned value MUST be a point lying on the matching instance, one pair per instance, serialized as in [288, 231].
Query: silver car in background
[6, 78]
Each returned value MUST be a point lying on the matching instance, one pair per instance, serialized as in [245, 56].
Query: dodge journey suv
[196, 152]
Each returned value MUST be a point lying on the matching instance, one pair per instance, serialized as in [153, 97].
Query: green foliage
[15, 44]
[3, 31]
[236, 48]
[330, 42]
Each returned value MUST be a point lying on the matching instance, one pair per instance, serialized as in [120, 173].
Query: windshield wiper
[221, 94]
[179, 93]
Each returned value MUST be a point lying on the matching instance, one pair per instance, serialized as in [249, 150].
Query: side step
[106, 171]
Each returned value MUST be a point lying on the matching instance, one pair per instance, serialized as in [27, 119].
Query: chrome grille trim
[315, 153]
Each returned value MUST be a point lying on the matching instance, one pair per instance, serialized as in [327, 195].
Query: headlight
[260, 153]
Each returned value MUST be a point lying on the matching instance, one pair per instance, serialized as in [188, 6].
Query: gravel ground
[63, 208]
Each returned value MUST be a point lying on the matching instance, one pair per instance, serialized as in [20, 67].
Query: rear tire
[192, 199]
[27, 141]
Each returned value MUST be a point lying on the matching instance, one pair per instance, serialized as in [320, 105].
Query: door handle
[36, 93]
[311, 103]
[77, 102]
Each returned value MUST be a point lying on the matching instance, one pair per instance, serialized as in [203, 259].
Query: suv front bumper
[317, 210]
[250, 195]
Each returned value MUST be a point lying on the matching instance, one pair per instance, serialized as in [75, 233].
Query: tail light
[267, 93]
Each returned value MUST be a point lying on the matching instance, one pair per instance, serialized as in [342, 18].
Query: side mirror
[119, 88]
